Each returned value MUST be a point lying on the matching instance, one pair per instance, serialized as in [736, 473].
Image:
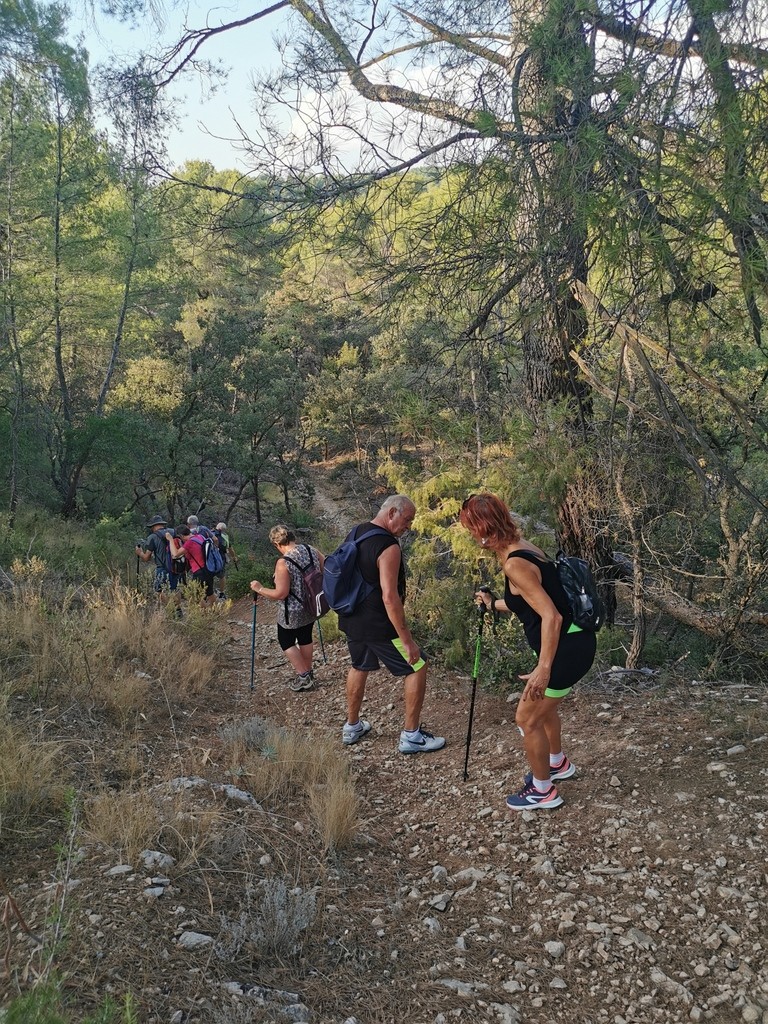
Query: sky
[206, 123]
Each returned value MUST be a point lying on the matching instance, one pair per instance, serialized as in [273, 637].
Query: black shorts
[573, 659]
[288, 638]
[205, 578]
[366, 655]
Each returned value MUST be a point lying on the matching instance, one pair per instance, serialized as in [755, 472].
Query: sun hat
[157, 521]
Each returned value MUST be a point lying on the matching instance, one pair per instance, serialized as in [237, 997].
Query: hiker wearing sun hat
[156, 546]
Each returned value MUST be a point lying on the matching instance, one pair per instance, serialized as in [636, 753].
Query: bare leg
[540, 721]
[415, 686]
[300, 657]
[355, 692]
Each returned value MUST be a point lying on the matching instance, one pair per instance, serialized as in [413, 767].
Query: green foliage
[47, 1004]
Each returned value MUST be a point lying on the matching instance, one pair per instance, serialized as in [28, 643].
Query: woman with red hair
[532, 591]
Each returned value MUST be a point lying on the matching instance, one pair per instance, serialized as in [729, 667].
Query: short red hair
[488, 516]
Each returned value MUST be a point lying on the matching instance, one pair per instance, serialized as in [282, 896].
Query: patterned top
[290, 612]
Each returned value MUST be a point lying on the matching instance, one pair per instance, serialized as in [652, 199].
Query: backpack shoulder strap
[529, 557]
[376, 531]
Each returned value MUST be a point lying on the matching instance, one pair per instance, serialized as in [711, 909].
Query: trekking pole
[322, 645]
[475, 672]
[253, 635]
[138, 563]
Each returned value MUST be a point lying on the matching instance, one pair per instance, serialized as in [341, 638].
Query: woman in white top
[294, 624]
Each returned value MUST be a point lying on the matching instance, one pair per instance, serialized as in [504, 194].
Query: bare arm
[282, 585]
[389, 569]
[177, 550]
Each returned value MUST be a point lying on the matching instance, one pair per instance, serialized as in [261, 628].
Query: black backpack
[575, 575]
[343, 582]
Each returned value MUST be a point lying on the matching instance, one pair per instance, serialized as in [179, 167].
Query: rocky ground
[641, 899]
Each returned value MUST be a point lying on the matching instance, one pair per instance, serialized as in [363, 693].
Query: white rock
[156, 859]
[119, 869]
[554, 949]
[194, 940]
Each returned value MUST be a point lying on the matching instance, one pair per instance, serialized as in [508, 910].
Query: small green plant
[45, 1004]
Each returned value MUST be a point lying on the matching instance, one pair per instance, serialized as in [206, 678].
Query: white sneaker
[352, 733]
[425, 743]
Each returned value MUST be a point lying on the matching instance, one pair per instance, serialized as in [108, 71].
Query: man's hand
[411, 651]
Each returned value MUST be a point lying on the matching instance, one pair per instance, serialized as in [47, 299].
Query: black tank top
[370, 621]
[530, 619]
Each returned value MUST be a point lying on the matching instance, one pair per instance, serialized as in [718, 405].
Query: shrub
[272, 923]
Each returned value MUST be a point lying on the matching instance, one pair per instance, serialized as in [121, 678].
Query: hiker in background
[294, 624]
[221, 535]
[533, 593]
[193, 547]
[156, 546]
[377, 631]
[194, 526]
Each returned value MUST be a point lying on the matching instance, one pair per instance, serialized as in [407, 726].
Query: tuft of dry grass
[124, 821]
[191, 834]
[335, 809]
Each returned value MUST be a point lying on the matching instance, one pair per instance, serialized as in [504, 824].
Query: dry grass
[191, 834]
[32, 782]
[124, 821]
[275, 764]
[99, 646]
[335, 806]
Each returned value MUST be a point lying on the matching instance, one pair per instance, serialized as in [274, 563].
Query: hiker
[533, 593]
[155, 546]
[221, 535]
[194, 526]
[193, 547]
[294, 624]
[377, 632]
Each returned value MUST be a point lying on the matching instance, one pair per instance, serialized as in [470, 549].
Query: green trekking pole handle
[253, 636]
[322, 645]
[475, 673]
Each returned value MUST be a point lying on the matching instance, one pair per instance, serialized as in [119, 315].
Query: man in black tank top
[377, 633]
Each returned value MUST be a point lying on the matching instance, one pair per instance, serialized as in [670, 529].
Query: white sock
[541, 785]
[555, 758]
[412, 734]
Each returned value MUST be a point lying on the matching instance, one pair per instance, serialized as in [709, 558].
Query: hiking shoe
[303, 682]
[425, 744]
[564, 770]
[353, 733]
[529, 798]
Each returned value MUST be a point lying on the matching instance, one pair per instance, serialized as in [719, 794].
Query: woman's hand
[255, 586]
[484, 597]
[536, 682]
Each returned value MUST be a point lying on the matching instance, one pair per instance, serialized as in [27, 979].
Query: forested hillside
[544, 273]
[515, 246]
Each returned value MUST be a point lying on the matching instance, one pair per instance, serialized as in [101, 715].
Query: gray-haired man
[377, 632]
